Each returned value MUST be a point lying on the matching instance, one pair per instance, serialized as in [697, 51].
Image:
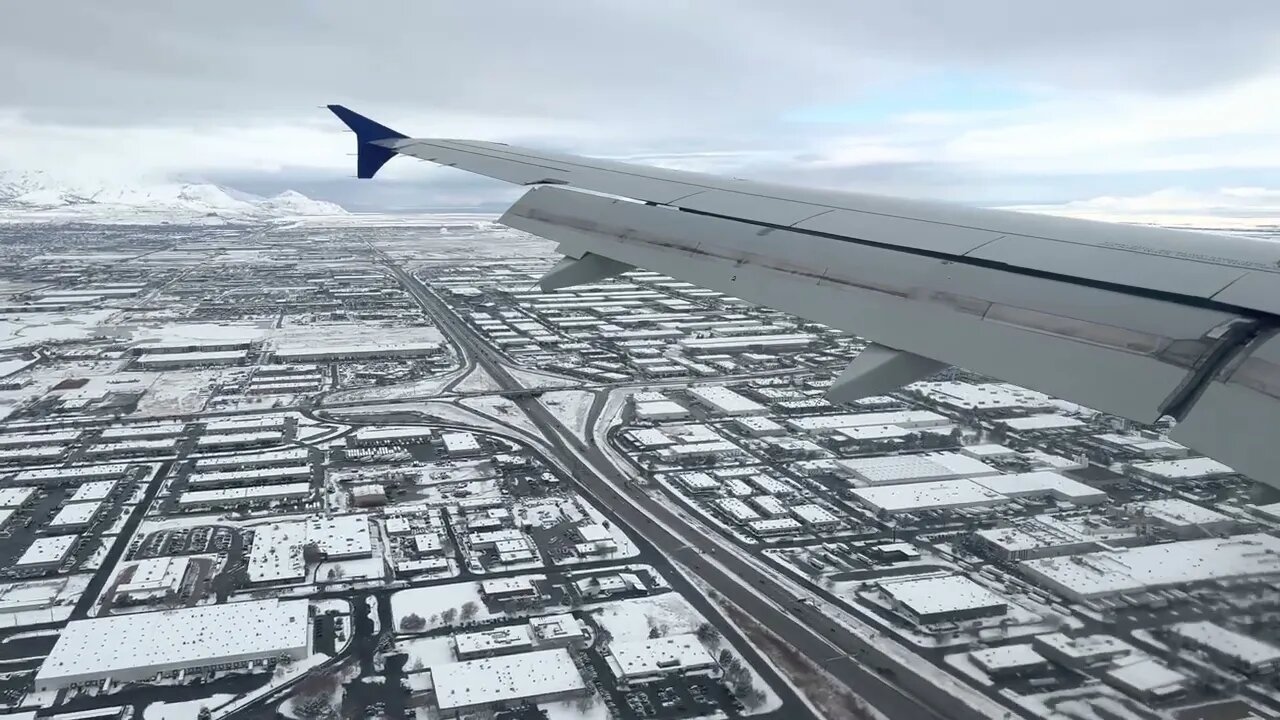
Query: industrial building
[723, 401]
[660, 411]
[330, 353]
[46, 553]
[816, 517]
[1084, 652]
[1228, 647]
[1043, 483]
[925, 467]
[1164, 471]
[254, 495]
[942, 598]
[1181, 518]
[492, 683]
[460, 444]
[1148, 680]
[924, 496]
[1175, 564]
[381, 436]
[138, 647]
[1044, 536]
[910, 419]
[489, 643]
[1008, 661]
[641, 661]
[276, 458]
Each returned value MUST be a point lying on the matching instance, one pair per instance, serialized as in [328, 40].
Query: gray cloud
[701, 83]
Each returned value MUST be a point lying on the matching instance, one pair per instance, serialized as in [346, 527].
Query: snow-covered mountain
[35, 196]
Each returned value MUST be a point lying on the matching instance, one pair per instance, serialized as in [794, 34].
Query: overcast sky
[1142, 103]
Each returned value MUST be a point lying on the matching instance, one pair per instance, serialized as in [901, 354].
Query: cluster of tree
[315, 698]
[738, 677]
[413, 622]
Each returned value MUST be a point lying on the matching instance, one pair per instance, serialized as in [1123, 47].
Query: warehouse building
[173, 361]
[460, 445]
[1043, 483]
[255, 495]
[1084, 652]
[1167, 471]
[492, 683]
[277, 458]
[775, 526]
[71, 475]
[942, 599]
[1045, 536]
[12, 497]
[330, 353]
[816, 517]
[924, 496]
[1008, 661]
[257, 476]
[1228, 647]
[75, 518]
[46, 553]
[910, 419]
[925, 467]
[641, 661]
[723, 401]
[1152, 567]
[490, 643]
[138, 647]
[982, 396]
[698, 483]
[1148, 680]
[382, 436]
[660, 411]
[1182, 518]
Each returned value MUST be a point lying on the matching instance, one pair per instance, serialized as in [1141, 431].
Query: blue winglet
[369, 158]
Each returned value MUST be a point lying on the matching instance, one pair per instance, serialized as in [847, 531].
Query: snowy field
[502, 410]
[429, 602]
[189, 710]
[571, 408]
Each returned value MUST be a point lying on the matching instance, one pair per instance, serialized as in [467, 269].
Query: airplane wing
[1139, 322]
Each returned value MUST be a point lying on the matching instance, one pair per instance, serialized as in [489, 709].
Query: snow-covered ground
[429, 602]
[534, 378]
[503, 410]
[188, 710]
[424, 652]
[478, 380]
[571, 408]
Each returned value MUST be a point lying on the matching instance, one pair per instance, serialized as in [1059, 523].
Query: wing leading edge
[1138, 322]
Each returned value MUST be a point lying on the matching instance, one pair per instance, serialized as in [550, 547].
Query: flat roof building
[697, 483]
[1183, 518]
[1148, 680]
[487, 643]
[139, 646]
[1176, 564]
[1197, 468]
[75, 517]
[943, 598]
[1229, 647]
[924, 496]
[723, 401]
[379, 436]
[252, 495]
[1009, 660]
[925, 467]
[775, 526]
[1042, 483]
[910, 419]
[661, 410]
[1082, 652]
[815, 517]
[46, 553]
[640, 661]
[11, 497]
[489, 683]
[460, 444]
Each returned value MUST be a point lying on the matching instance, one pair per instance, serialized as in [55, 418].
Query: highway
[825, 642]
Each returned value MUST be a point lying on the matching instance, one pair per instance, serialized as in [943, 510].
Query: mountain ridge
[37, 195]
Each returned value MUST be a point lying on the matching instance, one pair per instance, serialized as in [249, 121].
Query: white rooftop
[1007, 657]
[47, 550]
[921, 496]
[889, 469]
[940, 594]
[664, 654]
[1042, 422]
[1185, 469]
[1148, 675]
[75, 514]
[1228, 642]
[504, 638]
[903, 418]
[505, 678]
[15, 496]
[1042, 482]
[194, 636]
[982, 396]
[93, 490]
[1177, 512]
[1154, 566]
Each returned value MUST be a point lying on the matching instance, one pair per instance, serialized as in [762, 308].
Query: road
[825, 642]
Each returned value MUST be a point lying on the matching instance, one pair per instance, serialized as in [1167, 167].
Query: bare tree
[412, 622]
[469, 610]
[448, 616]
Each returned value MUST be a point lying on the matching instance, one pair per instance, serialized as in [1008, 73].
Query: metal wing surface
[1140, 322]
